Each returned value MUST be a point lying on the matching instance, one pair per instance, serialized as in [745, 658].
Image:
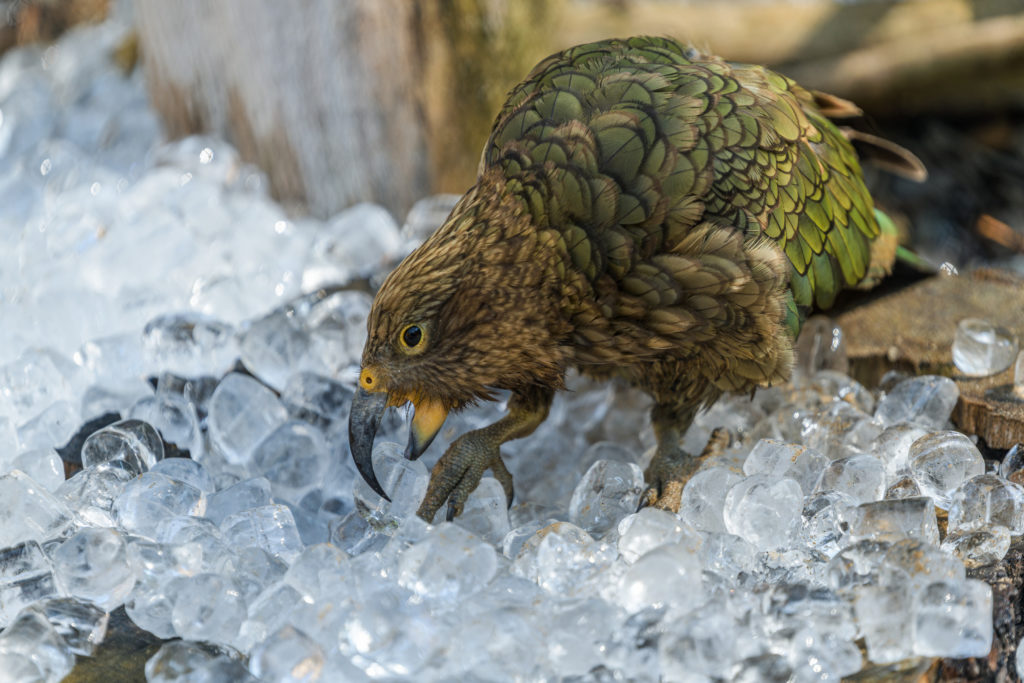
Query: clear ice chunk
[650, 528]
[26, 576]
[318, 570]
[207, 607]
[189, 344]
[727, 555]
[485, 513]
[927, 400]
[763, 510]
[50, 428]
[824, 521]
[91, 492]
[779, 459]
[43, 465]
[32, 636]
[953, 619]
[561, 558]
[28, 512]
[894, 520]
[186, 470]
[904, 487]
[426, 216]
[93, 564]
[80, 623]
[985, 501]
[355, 242]
[703, 498]
[669, 574]
[820, 346]
[978, 548]
[405, 481]
[293, 458]
[942, 461]
[276, 346]
[882, 621]
[862, 477]
[892, 447]
[609, 491]
[981, 349]
[133, 442]
[288, 655]
[178, 660]
[270, 528]
[448, 565]
[243, 412]
[316, 399]
[150, 498]
[239, 497]
[1012, 464]
[174, 417]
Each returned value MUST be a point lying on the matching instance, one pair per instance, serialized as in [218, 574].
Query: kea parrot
[642, 210]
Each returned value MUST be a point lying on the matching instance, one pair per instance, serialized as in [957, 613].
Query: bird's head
[447, 326]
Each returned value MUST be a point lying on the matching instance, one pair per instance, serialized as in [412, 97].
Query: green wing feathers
[625, 146]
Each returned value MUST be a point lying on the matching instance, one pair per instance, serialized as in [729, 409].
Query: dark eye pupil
[412, 335]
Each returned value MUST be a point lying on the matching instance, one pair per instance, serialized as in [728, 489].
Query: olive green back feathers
[625, 146]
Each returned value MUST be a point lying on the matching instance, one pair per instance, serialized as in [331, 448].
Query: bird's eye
[412, 336]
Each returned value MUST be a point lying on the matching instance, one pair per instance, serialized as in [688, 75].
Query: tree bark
[318, 93]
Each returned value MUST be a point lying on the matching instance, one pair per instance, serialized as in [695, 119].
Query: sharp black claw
[449, 514]
[645, 498]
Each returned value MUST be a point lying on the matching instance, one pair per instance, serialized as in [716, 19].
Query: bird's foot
[458, 472]
[672, 467]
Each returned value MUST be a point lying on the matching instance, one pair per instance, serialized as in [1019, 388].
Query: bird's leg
[459, 470]
[671, 466]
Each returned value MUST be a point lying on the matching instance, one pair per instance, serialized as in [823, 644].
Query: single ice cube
[904, 487]
[704, 497]
[486, 512]
[981, 348]
[239, 497]
[942, 461]
[188, 471]
[893, 520]
[953, 619]
[405, 481]
[32, 636]
[650, 528]
[669, 574]
[189, 344]
[80, 623]
[978, 548]
[207, 607]
[824, 521]
[927, 400]
[93, 564]
[763, 510]
[270, 527]
[1013, 462]
[91, 493]
[50, 428]
[288, 655]
[561, 557]
[134, 442]
[727, 555]
[892, 447]
[150, 498]
[882, 620]
[316, 399]
[859, 564]
[779, 459]
[914, 564]
[174, 417]
[243, 412]
[609, 491]
[43, 465]
[985, 501]
[26, 576]
[448, 565]
[318, 570]
[177, 660]
[28, 512]
[862, 477]
[823, 656]
[293, 458]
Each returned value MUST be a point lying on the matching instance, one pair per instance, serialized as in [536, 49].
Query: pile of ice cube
[815, 531]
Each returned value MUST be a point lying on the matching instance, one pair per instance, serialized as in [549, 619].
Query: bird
[642, 210]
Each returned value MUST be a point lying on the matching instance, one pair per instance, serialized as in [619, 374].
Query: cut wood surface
[913, 330]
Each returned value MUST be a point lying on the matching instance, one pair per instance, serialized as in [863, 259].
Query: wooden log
[913, 330]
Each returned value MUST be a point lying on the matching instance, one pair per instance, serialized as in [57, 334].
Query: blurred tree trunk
[339, 102]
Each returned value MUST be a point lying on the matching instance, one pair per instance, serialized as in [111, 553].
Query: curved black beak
[363, 422]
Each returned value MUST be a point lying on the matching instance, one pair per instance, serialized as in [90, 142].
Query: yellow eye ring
[412, 337]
